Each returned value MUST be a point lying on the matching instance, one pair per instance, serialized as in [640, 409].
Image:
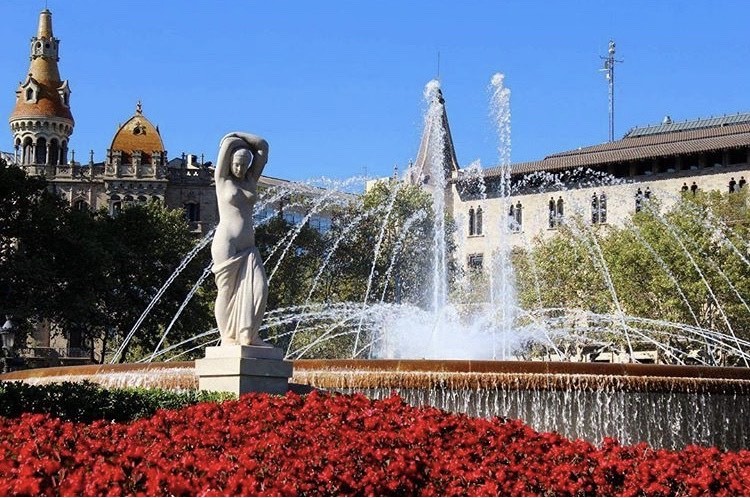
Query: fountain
[464, 357]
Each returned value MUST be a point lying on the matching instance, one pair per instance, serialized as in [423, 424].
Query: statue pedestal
[244, 369]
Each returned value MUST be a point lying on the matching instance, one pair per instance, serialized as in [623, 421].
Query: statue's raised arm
[237, 141]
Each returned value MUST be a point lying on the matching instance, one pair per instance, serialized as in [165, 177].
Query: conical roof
[49, 92]
[420, 170]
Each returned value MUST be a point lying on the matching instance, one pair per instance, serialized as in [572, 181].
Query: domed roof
[138, 133]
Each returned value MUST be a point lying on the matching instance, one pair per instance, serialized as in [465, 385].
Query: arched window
[598, 209]
[54, 152]
[518, 218]
[478, 221]
[41, 151]
[116, 208]
[594, 209]
[552, 217]
[28, 151]
[471, 221]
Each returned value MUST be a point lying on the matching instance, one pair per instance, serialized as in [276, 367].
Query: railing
[43, 352]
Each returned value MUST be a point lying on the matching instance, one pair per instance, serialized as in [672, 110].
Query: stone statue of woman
[237, 265]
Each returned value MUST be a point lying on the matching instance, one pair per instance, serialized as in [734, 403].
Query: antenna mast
[609, 70]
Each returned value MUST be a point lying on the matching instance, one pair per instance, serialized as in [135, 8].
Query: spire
[419, 172]
[45, 51]
[41, 121]
[45, 24]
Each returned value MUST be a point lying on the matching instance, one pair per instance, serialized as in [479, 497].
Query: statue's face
[240, 163]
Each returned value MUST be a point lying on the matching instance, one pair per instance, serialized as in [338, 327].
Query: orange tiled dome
[137, 134]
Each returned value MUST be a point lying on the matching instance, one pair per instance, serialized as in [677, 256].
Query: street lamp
[8, 334]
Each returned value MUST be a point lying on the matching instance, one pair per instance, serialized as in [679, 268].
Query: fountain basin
[666, 406]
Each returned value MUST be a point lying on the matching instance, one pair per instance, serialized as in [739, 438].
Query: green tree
[30, 217]
[686, 265]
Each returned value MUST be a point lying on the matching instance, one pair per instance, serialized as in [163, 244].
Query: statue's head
[240, 163]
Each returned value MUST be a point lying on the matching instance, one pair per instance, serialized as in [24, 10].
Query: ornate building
[136, 168]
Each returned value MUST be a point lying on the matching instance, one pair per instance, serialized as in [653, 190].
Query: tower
[41, 121]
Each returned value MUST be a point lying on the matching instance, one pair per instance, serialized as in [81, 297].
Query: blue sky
[336, 87]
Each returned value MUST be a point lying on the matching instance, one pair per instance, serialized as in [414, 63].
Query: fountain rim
[447, 366]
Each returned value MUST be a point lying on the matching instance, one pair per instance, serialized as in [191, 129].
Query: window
[293, 217]
[193, 211]
[556, 211]
[515, 217]
[320, 223]
[476, 261]
[598, 209]
[472, 221]
[263, 215]
[478, 222]
[552, 215]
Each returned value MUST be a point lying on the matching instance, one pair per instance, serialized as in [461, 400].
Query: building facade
[603, 184]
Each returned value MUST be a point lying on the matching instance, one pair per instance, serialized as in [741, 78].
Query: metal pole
[609, 70]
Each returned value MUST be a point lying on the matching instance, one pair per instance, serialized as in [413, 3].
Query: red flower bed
[340, 445]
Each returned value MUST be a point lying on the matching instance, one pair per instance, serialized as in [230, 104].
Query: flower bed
[340, 445]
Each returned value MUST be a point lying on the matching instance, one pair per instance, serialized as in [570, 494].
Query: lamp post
[8, 334]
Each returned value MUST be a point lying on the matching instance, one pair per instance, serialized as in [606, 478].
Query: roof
[694, 124]
[43, 74]
[642, 146]
[419, 171]
[138, 133]
[48, 104]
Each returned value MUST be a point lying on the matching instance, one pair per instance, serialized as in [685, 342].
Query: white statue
[237, 265]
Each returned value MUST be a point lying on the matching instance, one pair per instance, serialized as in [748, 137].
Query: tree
[145, 244]
[30, 217]
[688, 265]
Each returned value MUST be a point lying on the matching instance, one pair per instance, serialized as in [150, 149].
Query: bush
[86, 401]
[337, 445]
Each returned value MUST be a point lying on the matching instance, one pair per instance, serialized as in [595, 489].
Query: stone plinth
[243, 369]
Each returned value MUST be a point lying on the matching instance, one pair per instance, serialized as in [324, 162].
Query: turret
[41, 121]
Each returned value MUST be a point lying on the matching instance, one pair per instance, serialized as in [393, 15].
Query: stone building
[136, 168]
[604, 184]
